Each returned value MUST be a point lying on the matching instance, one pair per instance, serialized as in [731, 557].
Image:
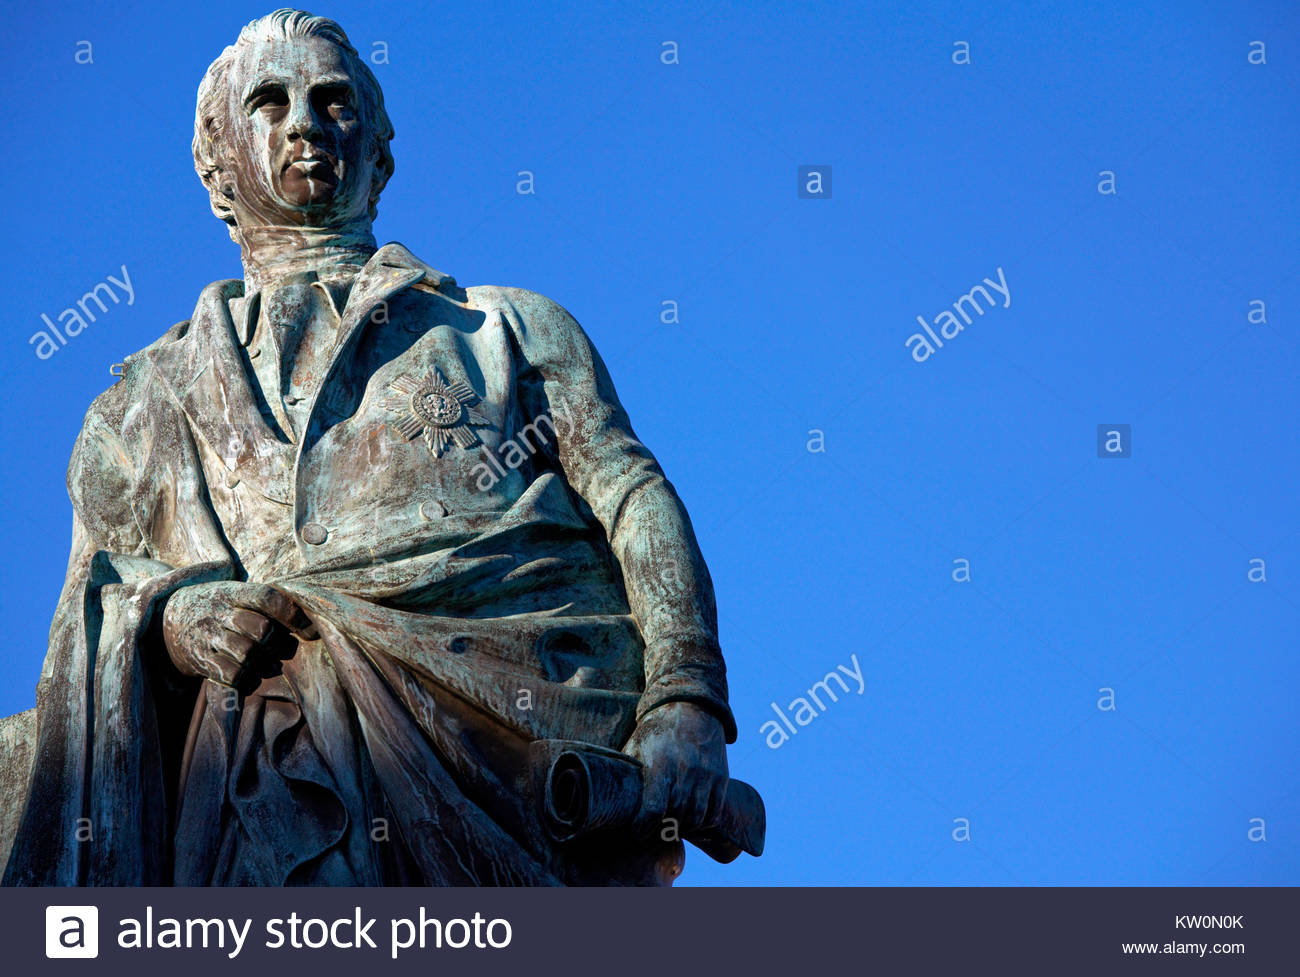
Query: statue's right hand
[212, 629]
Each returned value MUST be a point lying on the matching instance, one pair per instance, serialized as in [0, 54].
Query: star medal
[439, 410]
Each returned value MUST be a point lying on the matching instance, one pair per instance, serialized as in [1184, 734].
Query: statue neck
[271, 252]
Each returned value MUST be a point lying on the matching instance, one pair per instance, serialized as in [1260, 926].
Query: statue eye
[267, 97]
[336, 100]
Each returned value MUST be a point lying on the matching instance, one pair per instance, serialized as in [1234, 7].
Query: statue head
[290, 127]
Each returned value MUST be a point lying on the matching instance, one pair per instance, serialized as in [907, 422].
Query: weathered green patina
[371, 580]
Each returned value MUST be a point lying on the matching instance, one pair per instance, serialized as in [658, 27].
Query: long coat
[488, 553]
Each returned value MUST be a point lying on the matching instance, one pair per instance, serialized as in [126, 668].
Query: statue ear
[221, 190]
[380, 178]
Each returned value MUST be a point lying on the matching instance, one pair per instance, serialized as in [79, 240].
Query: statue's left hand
[683, 747]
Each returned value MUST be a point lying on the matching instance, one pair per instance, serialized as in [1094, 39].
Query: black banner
[779, 931]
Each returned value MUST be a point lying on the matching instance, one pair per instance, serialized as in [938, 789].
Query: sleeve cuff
[704, 685]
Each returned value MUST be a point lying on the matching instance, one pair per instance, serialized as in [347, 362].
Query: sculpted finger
[235, 648]
[226, 672]
[305, 628]
[276, 605]
[711, 795]
[717, 799]
[250, 624]
[192, 646]
[677, 792]
[215, 665]
[691, 800]
[654, 804]
[268, 601]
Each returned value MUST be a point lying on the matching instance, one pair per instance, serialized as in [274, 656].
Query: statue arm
[107, 703]
[101, 476]
[668, 586]
[135, 483]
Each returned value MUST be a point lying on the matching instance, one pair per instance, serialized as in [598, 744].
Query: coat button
[314, 533]
[231, 479]
[433, 510]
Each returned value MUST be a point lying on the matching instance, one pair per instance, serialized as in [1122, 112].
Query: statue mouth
[308, 181]
[316, 168]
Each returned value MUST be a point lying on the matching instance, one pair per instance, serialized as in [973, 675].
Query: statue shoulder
[110, 407]
[532, 315]
[101, 471]
[137, 392]
[106, 458]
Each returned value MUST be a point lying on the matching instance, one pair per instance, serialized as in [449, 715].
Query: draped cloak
[540, 580]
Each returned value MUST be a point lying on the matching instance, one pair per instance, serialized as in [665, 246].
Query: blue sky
[677, 182]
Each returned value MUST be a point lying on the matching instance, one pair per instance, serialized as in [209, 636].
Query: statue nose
[302, 123]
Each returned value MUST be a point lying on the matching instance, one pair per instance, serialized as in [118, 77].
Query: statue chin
[294, 200]
[308, 207]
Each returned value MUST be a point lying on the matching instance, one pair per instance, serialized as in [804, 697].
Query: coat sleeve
[110, 709]
[669, 590]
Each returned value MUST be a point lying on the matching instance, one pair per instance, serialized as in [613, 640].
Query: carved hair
[212, 113]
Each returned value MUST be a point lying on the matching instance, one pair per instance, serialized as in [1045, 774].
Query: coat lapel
[389, 270]
[206, 374]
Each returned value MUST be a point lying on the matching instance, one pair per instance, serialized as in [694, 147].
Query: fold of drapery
[390, 750]
[394, 748]
[98, 805]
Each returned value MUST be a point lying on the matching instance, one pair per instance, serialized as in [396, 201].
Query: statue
[371, 581]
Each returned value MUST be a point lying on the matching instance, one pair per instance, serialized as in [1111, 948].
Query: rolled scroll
[582, 788]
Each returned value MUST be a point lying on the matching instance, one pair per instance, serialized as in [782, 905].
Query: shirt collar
[246, 311]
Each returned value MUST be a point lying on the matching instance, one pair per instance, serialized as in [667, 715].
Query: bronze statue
[371, 581]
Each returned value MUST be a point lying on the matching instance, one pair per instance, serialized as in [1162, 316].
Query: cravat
[303, 329]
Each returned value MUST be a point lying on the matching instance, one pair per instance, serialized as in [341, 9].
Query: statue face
[300, 151]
